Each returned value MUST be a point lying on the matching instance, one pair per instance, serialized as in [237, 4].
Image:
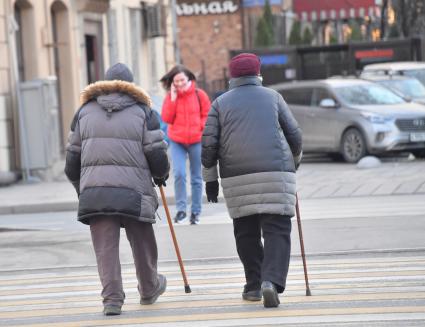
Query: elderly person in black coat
[256, 141]
[115, 149]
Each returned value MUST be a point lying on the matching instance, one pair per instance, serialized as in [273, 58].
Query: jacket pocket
[109, 200]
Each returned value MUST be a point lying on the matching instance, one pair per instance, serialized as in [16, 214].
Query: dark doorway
[93, 50]
[91, 56]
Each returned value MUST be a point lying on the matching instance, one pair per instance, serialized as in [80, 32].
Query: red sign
[334, 9]
[381, 53]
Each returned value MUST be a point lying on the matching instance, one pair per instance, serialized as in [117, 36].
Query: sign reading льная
[207, 8]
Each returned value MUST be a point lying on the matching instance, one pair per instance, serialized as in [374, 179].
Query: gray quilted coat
[114, 149]
[253, 136]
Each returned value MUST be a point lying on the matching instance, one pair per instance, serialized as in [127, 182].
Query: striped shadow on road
[383, 290]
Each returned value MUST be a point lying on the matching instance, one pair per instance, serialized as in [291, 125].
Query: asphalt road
[57, 239]
[365, 255]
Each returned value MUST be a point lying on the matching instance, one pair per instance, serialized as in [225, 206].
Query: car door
[299, 102]
[322, 122]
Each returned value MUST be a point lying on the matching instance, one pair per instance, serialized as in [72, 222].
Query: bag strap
[200, 103]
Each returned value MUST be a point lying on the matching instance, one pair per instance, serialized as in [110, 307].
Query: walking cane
[176, 246]
[300, 232]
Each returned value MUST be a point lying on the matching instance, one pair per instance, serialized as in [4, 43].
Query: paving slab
[314, 180]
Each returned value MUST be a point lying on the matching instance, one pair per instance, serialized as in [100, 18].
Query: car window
[419, 74]
[319, 94]
[367, 94]
[298, 96]
[411, 87]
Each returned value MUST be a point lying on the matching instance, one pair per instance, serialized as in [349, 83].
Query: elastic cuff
[210, 174]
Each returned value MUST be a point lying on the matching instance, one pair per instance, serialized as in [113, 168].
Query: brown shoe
[162, 285]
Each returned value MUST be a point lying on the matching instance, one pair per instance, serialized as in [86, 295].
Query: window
[319, 95]
[367, 95]
[416, 73]
[19, 44]
[93, 30]
[410, 87]
[301, 96]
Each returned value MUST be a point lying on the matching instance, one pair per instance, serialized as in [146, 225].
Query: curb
[65, 206]
[38, 208]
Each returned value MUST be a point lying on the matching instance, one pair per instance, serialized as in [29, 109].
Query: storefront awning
[335, 9]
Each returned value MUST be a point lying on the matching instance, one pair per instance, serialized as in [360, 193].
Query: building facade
[209, 30]
[336, 21]
[206, 32]
[67, 44]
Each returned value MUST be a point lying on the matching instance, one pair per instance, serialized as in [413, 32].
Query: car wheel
[419, 153]
[353, 145]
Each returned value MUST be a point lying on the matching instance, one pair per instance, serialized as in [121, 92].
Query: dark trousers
[105, 233]
[271, 261]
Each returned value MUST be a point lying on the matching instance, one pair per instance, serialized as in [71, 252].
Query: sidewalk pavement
[314, 181]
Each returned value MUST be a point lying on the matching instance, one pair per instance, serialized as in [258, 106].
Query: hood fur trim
[94, 90]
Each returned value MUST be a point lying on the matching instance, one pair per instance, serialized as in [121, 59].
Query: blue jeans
[179, 153]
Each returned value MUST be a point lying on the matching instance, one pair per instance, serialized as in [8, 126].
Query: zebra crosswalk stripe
[358, 290]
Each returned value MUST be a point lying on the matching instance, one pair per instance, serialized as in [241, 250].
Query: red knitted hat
[244, 64]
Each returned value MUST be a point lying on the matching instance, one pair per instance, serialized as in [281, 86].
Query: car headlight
[376, 119]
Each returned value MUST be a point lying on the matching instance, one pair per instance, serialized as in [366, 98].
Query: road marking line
[209, 303]
[278, 312]
[133, 295]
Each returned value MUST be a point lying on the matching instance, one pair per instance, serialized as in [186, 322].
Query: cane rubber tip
[187, 289]
[307, 292]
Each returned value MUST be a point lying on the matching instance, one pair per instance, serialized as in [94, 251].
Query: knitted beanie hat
[244, 64]
[120, 72]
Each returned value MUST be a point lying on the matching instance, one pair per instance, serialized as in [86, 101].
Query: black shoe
[270, 296]
[180, 217]
[162, 285]
[254, 295]
[111, 310]
[194, 219]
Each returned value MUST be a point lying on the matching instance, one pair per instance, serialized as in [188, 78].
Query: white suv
[405, 68]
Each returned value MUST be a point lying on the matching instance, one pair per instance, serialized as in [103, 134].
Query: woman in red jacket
[185, 109]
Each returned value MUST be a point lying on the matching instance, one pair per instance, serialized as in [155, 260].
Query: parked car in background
[354, 117]
[408, 88]
[405, 68]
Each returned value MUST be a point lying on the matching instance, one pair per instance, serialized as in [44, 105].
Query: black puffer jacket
[114, 149]
[257, 142]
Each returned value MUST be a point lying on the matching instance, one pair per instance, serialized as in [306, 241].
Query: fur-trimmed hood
[94, 90]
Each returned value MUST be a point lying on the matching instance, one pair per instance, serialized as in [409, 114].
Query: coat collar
[92, 91]
[245, 80]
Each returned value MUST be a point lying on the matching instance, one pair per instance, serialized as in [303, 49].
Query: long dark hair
[167, 79]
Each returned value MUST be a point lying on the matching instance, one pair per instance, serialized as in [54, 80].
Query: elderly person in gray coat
[253, 136]
[115, 149]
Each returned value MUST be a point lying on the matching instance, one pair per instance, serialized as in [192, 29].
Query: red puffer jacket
[187, 115]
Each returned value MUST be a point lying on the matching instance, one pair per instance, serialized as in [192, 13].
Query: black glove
[211, 188]
[160, 181]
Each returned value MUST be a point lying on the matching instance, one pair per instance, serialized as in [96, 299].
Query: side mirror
[328, 103]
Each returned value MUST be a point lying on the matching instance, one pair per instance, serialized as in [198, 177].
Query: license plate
[417, 137]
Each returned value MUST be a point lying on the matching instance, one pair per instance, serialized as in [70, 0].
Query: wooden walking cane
[176, 246]
[300, 232]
